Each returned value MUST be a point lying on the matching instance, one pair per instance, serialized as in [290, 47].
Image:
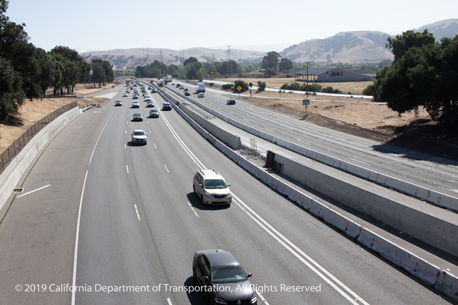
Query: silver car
[154, 113]
[137, 116]
[139, 136]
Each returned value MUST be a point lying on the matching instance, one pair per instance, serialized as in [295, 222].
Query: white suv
[211, 187]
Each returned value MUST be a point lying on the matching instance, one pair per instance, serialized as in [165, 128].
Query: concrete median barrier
[416, 266]
[447, 283]
[436, 227]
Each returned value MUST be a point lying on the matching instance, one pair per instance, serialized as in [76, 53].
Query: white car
[139, 136]
[125, 95]
[135, 104]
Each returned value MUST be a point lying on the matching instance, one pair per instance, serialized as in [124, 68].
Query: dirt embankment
[361, 117]
[33, 111]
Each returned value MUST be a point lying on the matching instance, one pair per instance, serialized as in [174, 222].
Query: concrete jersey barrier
[15, 170]
[426, 272]
[430, 196]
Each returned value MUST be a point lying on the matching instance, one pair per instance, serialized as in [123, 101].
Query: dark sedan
[221, 278]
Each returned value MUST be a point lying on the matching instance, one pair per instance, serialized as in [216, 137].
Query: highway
[435, 173]
[117, 218]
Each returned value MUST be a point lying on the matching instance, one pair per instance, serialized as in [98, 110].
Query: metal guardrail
[14, 149]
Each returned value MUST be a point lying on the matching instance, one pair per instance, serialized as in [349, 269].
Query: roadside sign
[306, 102]
[239, 88]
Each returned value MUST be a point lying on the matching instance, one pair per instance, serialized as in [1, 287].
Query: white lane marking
[192, 208]
[127, 122]
[169, 301]
[303, 141]
[154, 145]
[268, 129]
[136, 210]
[150, 132]
[43, 187]
[185, 148]
[307, 260]
[262, 298]
[166, 169]
[359, 161]
[78, 221]
[127, 167]
[125, 132]
[90, 160]
[147, 122]
[125, 145]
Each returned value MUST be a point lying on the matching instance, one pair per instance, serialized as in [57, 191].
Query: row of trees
[26, 72]
[191, 69]
[424, 72]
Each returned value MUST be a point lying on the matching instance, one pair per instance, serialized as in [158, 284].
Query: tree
[270, 61]
[423, 75]
[47, 70]
[190, 60]
[402, 43]
[98, 73]
[192, 69]
[11, 94]
[286, 64]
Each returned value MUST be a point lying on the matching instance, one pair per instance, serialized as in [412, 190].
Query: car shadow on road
[130, 144]
[194, 297]
[196, 202]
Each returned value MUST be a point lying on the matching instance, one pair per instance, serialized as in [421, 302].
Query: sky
[98, 25]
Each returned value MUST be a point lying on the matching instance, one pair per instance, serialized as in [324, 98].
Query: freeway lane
[158, 249]
[116, 247]
[436, 173]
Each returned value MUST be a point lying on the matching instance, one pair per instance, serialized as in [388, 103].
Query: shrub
[261, 86]
[228, 87]
[242, 84]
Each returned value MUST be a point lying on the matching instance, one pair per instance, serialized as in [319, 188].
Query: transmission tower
[160, 57]
[229, 57]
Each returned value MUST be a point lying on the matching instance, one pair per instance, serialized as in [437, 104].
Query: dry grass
[350, 111]
[276, 83]
[33, 111]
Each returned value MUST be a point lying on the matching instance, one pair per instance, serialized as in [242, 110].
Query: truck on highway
[168, 78]
[200, 88]
[127, 83]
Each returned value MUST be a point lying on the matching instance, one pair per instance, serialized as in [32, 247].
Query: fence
[22, 141]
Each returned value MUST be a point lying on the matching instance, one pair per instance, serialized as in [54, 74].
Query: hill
[128, 58]
[346, 47]
[357, 46]
[441, 29]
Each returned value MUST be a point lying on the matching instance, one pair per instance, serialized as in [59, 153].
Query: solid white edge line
[283, 241]
[127, 168]
[169, 301]
[75, 257]
[95, 146]
[78, 221]
[166, 169]
[43, 187]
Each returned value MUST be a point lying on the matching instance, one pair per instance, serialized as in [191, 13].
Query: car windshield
[139, 133]
[137, 114]
[153, 111]
[215, 184]
[227, 274]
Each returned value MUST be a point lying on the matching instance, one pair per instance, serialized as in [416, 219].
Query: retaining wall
[18, 166]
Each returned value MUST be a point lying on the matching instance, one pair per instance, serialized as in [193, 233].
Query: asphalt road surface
[121, 224]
